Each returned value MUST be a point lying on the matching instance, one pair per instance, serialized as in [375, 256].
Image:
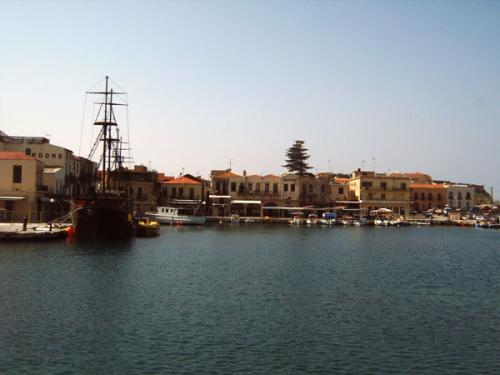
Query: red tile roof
[11, 155]
[183, 180]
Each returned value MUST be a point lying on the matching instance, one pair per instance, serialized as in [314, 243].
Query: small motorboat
[147, 227]
[312, 219]
[297, 220]
[329, 218]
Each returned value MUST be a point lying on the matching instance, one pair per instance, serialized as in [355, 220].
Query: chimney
[244, 173]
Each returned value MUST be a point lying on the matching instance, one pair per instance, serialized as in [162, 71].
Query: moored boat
[174, 215]
[105, 212]
[146, 227]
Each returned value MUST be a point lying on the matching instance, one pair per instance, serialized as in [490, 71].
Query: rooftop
[183, 180]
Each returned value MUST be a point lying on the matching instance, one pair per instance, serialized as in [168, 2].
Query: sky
[401, 85]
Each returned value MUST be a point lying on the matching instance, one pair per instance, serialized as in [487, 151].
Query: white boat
[312, 219]
[297, 220]
[361, 221]
[174, 215]
[381, 222]
[328, 218]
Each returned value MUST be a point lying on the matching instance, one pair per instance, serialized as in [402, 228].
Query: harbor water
[255, 299]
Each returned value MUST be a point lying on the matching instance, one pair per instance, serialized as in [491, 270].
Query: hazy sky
[413, 84]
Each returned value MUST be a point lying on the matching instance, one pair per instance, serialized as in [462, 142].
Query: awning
[219, 196]
[11, 198]
[289, 208]
[245, 202]
[185, 201]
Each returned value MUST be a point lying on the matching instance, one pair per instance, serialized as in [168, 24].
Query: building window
[53, 156]
[17, 174]
[422, 196]
[241, 187]
[257, 187]
[450, 195]
[173, 192]
[250, 186]
[415, 196]
[27, 151]
[275, 188]
[40, 155]
[403, 186]
[59, 156]
[382, 197]
[181, 192]
[459, 195]
[341, 190]
[191, 193]
[285, 187]
[266, 188]
[366, 184]
[233, 186]
[439, 197]
[467, 196]
[139, 192]
[292, 187]
[429, 196]
[310, 188]
[383, 185]
[47, 155]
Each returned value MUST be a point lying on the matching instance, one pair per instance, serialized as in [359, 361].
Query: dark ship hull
[102, 217]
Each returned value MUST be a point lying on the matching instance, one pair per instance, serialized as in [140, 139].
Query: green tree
[296, 159]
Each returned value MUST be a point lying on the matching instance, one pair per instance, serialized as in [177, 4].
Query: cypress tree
[296, 159]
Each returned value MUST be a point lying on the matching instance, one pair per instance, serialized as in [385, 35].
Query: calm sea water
[255, 299]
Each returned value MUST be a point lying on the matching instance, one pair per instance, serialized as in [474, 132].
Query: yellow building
[370, 191]
[268, 195]
[21, 185]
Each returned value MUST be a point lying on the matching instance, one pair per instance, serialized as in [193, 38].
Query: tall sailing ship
[105, 213]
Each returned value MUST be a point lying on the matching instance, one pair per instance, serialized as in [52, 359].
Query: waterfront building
[266, 195]
[427, 196]
[186, 187]
[460, 196]
[340, 190]
[79, 172]
[141, 184]
[370, 191]
[21, 186]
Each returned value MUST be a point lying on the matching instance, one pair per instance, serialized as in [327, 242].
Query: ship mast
[107, 124]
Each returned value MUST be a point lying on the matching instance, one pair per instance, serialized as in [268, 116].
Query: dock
[15, 232]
